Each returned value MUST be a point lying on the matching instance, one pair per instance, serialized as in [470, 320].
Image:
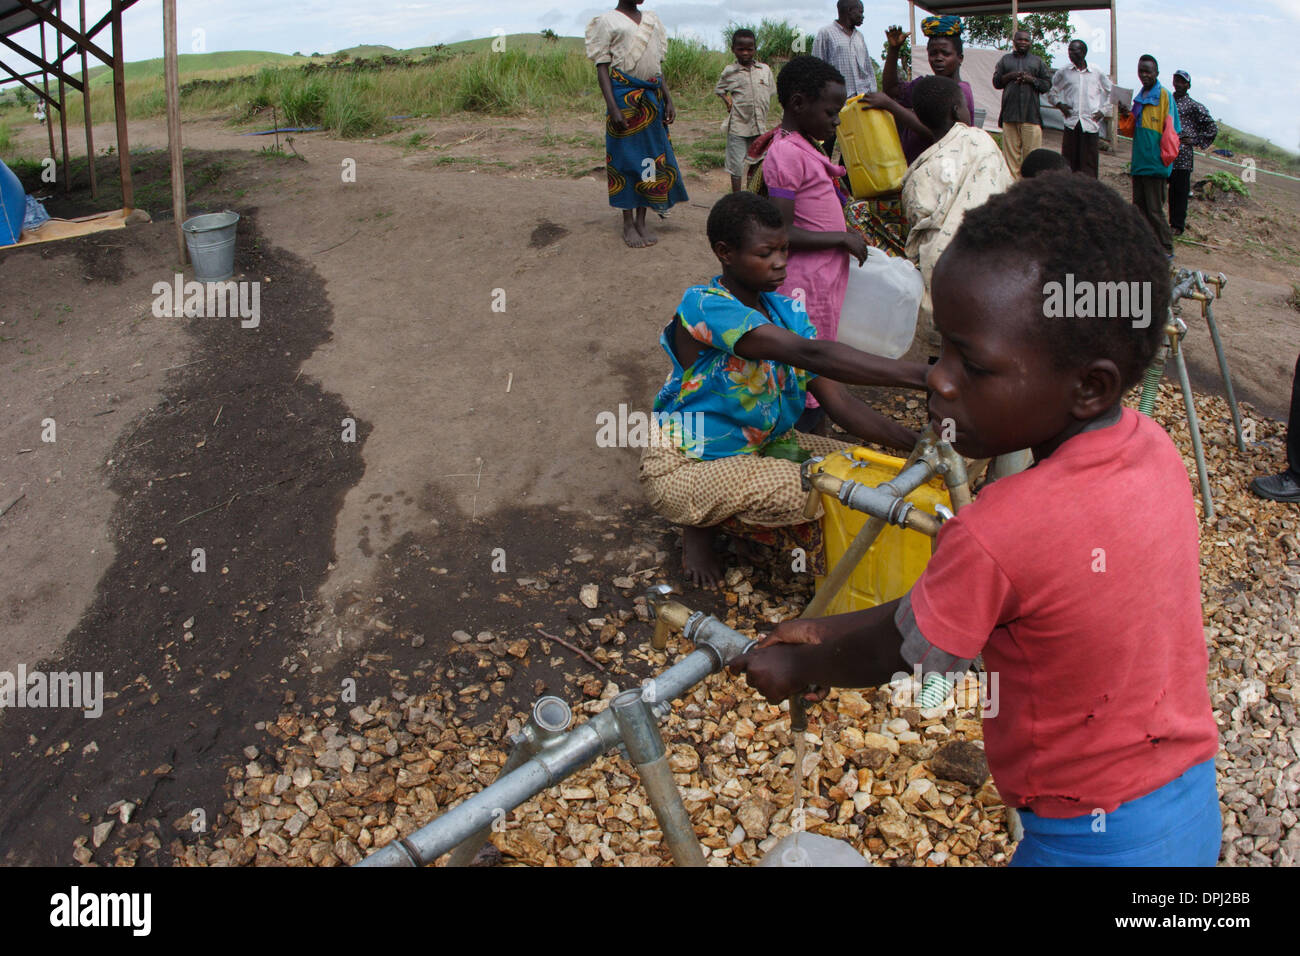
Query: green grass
[1225, 182]
[6, 139]
[1247, 144]
[190, 64]
[775, 39]
[709, 152]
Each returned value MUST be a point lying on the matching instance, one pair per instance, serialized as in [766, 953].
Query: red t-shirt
[1101, 674]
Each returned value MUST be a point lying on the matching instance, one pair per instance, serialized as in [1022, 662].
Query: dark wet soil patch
[244, 459]
[546, 233]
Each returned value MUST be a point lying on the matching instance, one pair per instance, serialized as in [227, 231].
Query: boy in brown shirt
[746, 87]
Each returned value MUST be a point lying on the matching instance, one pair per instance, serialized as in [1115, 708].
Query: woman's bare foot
[631, 234]
[647, 234]
[699, 562]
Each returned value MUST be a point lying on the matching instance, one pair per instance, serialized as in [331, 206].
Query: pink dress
[795, 169]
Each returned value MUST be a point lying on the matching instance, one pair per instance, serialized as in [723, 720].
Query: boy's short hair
[1080, 42]
[934, 98]
[1039, 161]
[1148, 56]
[743, 34]
[730, 218]
[807, 75]
[1076, 226]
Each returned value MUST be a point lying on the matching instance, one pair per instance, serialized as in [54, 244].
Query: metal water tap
[805, 482]
[669, 615]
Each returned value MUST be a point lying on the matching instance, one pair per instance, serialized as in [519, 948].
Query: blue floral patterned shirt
[744, 403]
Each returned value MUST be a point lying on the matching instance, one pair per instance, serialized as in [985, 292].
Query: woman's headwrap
[946, 26]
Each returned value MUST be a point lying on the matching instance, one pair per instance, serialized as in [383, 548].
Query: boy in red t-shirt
[1078, 579]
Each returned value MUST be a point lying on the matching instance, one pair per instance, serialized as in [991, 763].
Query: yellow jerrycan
[871, 150]
[891, 565]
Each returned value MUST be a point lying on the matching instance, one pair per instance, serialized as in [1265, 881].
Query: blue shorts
[1177, 825]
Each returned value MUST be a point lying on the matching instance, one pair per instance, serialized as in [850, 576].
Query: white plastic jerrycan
[880, 305]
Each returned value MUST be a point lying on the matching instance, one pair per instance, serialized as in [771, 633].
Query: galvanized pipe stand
[558, 755]
[645, 747]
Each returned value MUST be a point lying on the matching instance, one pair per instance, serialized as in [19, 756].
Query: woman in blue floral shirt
[725, 455]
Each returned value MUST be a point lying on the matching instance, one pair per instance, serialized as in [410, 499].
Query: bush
[1224, 182]
[303, 101]
[776, 39]
[689, 64]
[491, 84]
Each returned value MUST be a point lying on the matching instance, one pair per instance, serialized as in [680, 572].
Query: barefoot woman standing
[628, 46]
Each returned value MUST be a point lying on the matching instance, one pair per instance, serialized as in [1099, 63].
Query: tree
[550, 35]
[1045, 30]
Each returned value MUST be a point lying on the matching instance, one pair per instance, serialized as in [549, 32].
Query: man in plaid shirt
[841, 45]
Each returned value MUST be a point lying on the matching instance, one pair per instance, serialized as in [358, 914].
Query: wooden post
[119, 110]
[45, 81]
[911, 24]
[63, 105]
[85, 109]
[171, 72]
[1114, 78]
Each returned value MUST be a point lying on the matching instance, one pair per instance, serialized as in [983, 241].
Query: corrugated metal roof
[966, 8]
[14, 17]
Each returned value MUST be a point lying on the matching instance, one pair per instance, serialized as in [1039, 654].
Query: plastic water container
[881, 304]
[872, 151]
[977, 120]
[812, 849]
[211, 241]
[897, 558]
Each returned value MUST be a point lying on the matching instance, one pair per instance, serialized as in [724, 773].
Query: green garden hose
[1151, 382]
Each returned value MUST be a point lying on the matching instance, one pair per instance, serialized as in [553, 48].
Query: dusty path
[476, 432]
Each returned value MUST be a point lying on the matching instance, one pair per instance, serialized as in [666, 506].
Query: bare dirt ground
[469, 305]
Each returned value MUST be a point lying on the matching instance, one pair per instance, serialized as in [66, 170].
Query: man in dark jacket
[1199, 131]
[1022, 77]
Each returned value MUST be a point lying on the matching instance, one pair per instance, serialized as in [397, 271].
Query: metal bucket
[211, 241]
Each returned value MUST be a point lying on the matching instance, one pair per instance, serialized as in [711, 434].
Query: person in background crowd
[1286, 486]
[746, 86]
[1083, 96]
[1040, 161]
[945, 53]
[628, 47]
[841, 44]
[1021, 76]
[1199, 131]
[1153, 107]
[959, 172]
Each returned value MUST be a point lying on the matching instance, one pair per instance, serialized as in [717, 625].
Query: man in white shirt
[841, 45]
[1084, 96]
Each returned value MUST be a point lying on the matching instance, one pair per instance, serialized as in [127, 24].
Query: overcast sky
[1241, 56]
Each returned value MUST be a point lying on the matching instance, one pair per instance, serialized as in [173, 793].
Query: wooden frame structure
[18, 17]
[997, 8]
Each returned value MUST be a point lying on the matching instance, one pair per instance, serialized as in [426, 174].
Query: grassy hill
[190, 64]
[1248, 144]
[533, 74]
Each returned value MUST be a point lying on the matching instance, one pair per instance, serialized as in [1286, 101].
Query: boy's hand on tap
[778, 666]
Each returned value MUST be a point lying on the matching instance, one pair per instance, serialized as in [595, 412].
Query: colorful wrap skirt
[639, 162]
